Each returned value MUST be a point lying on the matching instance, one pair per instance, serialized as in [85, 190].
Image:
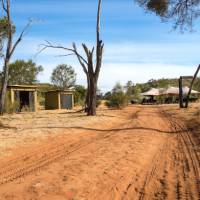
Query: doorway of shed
[25, 100]
[66, 101]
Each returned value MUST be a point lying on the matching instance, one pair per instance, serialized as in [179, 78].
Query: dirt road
[143, 153]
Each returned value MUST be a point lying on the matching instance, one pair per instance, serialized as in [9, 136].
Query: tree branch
[99, 48]
[65, 55]
[191, 85]
[50, 45]
[98, 22]
[20, 37]
[80, 60]
[3, 5]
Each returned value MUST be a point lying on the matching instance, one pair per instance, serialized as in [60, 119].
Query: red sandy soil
[141, 152]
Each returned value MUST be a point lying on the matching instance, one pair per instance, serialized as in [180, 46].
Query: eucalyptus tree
[23, 72]
[63, 76]
[9, 47]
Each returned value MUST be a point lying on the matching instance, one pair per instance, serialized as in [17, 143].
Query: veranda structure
[22, 97]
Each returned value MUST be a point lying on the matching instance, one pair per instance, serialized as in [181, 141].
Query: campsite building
[59, 99]
[174, 91]
[22, 97]
[168, 95]
[171, 91]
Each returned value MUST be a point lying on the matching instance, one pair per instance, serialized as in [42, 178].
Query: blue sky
[138, 46]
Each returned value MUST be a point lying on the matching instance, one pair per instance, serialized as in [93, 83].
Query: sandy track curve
[149, 156]
[175, 172]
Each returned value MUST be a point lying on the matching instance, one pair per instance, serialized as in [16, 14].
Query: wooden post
[72, 100]
[59, 100]
[35, 100]
[12, 96]
[180, 92]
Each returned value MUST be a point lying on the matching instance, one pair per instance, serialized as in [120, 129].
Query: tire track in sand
[44, 156]
[184, 175]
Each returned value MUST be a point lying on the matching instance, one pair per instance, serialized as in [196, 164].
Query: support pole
[180, 92]
[191, 85]
[35, 100]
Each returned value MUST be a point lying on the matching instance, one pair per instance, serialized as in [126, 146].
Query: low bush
[98, 103]
[11, 108]
[117, 100]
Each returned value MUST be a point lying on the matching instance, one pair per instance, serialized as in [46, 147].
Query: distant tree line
[120, 95]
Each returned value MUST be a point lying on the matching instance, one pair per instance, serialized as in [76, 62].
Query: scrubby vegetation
[79, 95]
[130, 93]
[117, 98]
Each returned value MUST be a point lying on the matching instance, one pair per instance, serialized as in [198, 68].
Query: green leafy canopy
[63, 76]
[23, 72]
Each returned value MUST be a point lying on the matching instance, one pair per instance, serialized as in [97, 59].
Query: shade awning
[169, 91]
[151, 92]
[175, 91]
[186, 90]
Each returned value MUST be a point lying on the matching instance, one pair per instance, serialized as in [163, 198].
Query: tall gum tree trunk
[92, 98]
[6, 8]
[10, 48]
[4, 87]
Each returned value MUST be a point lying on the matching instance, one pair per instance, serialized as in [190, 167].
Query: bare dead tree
[10, 48]
[90, 68]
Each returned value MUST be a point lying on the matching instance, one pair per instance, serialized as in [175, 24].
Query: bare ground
[141, 152]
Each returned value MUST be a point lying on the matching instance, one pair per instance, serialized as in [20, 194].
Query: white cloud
[140, 73]
[126, 52]
[181, 53]
[125, 61]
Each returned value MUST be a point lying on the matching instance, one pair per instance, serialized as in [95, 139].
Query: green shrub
[79, 95]
[41, 99]
[11, 108]
[117, 100]
[98, 103]
[118, 97]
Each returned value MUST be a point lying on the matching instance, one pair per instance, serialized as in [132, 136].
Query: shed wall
[66, 100]
[52, 100]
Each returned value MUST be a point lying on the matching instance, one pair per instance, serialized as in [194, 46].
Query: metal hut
[59, 99]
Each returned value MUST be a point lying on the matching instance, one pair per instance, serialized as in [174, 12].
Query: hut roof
[22, 86]
[186, 90]
[168, 91]
[175, 91]
[60, 90]
[151, 92]
[171, 90]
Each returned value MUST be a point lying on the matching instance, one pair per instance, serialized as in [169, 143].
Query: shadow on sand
[110, 130]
